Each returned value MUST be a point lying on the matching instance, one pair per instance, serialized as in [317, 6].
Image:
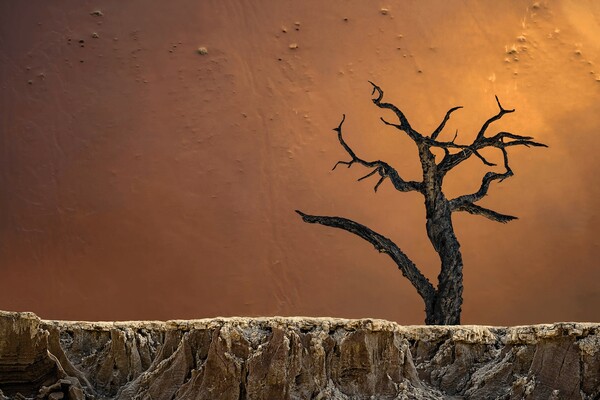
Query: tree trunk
[448, 296]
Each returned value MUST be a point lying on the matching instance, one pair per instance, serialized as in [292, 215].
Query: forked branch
[404, 124]
[381, 167]
[485, 185]
[500, 140]
[496, 117]
[466, 202]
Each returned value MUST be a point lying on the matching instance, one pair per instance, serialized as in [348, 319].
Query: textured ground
[294, 358]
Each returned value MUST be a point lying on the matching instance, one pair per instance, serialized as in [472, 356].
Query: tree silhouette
[442, 304]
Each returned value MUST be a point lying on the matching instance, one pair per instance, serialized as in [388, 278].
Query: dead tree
[442, 304]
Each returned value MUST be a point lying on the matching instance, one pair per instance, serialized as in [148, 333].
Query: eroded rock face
[294, 358]
[24, 360]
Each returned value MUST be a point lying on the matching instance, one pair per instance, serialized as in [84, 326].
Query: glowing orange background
[142, 180]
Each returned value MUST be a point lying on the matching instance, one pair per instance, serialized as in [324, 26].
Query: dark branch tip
[506, 219]
[369, 174]
[502, 109]
[379, 182]
[300, 213]
[389, 123]
[376, 88]
[348, 163]
[498, 101]
[339, 127]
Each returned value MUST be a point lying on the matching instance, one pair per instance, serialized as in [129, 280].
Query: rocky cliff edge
[294, 358]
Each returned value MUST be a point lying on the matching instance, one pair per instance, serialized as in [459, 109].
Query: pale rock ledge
[294, 358]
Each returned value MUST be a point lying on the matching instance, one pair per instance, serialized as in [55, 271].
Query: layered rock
[294, 358]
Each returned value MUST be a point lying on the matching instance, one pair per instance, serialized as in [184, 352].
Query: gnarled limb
[383, 245]
[381, 167]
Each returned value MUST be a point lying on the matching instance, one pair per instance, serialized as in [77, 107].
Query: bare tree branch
[376, 170]
[502, 135]
[383, 168]
[404, 124]
[439, 129]
[485, 185]
[526, 143]
[465, 202]
[485, 212]
[383, 245]
[452, 160]
[498, 140]
[379, 183]
[496, 117]
[486, 162]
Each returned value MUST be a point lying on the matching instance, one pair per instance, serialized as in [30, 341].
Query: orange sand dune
[143, 180]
